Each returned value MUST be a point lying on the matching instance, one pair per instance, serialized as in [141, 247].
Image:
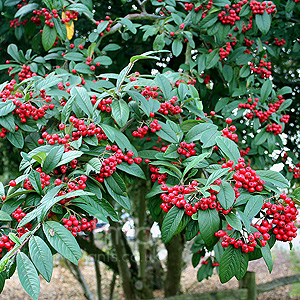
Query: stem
[112, 286]
[97, 270]
[125, 274]
[75, 270]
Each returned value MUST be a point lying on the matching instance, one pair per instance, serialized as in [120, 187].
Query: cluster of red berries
[249, 106]
[148, 92]
[296, 171]
[25, 73]
[154, 126]
[260, 7]
[285, 119]
[248, 42]
[279, 42]
[188, 6]
[282, 220]
[245, 177]
[74, 225]
[186, 149]
[233, 13]
[248, 245]
[206, 78]
[245, 152]
[168, 107]
[272, 109]
[45, 180]
[19, 214]
[109, 165]
[36, 19]
[15, 23]
[205, 8]
[264, 73]
[156, 175]
[6, 243]
[228, 132]
[86, 130]
[73, 165]
[79, 183]
[108, 25]
[140, 132]
[70, 15]
[104, 104]
[275, 128]
[28, 110]
[189, 82]
[224, 53]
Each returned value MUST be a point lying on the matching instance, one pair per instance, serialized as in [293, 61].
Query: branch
[138, 16]
[75, 270]
[91, 249]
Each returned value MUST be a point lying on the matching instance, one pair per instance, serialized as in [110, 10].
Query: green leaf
[75, 56]
[205, 271]
[48, 37]
[177, 47]
[196, 132]
[233, 220]
[13, 51]
[230, 263]
[274, 177]
[265, 90]
[209, 223]
[116, 183]
[229, 148]
[8, 122]
[4, 216]
[2, 191]
[159, 42]
[16, 139]
[120, 112]
[26, 9]
[263, 22]
[226, 196]
[194, 162]
[123, 200]
[82, 99]
[62, 240]
[109, 131]
[266, 253]
[95, 164]
[69, 156]
[53, 158]
[164, 84]
[212, 59]
[171, 223]
[35, 180]
[253, 206]
[41, 256]
[6, 107]
[28, 275]
[261, 137]
[216, 175]
[243, 267]
[167, 133]
[133, 169]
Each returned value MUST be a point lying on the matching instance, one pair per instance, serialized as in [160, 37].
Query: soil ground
[64, 286]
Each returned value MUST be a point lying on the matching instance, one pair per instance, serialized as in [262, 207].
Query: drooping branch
[75, 270]
[137, 16]
[102, 256]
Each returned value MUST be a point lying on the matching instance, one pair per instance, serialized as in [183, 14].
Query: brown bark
[174, 265]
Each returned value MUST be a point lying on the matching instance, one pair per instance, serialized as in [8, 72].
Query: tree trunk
[248, 282]
[174, 265]
[124, 271]
[142, 240]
